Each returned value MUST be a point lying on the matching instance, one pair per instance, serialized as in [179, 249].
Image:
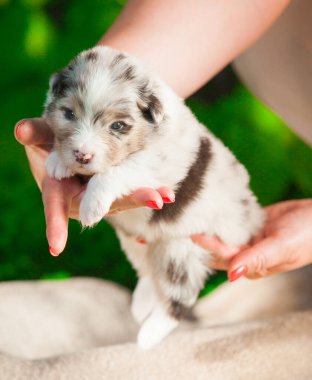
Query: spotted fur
[188, 188]
[119, 123]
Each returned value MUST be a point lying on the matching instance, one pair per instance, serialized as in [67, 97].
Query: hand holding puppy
[61, 199]
[285, 243]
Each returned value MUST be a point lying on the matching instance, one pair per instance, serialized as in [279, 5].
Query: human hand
[285, 243]
[61, 199]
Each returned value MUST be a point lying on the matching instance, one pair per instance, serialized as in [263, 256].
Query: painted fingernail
[141, 241]
[152, 204]
[17, 129]
[168, 199]
[53, 253]
[235, 274]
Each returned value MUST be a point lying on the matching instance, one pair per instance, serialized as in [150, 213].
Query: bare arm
[189, 41]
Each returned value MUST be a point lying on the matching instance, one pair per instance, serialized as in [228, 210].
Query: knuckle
[259, 266]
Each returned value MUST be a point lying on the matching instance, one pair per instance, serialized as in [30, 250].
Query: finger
[216, 246]
[257, 261]
[142, 197]
[33, 132]
[57, 196]
[36, 157]
[217, 264]
[167, 194]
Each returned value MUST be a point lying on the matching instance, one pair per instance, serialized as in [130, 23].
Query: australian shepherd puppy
[118, 123]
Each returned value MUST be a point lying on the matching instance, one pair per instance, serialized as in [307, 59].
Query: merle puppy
[117, 122]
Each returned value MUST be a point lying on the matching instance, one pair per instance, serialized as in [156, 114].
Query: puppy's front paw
[93, 208]
[55, 167]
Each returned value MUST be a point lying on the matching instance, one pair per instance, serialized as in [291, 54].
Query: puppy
[118, 123]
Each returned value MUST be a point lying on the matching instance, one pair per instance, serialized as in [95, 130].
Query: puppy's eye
[117, 125]
[69, 114]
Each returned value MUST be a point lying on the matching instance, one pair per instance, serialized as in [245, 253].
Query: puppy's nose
[82, 158]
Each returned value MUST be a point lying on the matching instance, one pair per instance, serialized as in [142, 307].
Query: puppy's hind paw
[143, 299]
[155, 328]
[55, 167]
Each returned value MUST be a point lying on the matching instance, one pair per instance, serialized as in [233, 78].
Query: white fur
[56, 168]
[156, 327]
[164, 160]
[144, 299]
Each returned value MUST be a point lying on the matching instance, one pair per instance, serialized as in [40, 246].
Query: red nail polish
[53, 253]
[167, 200]
[152, 204]
[235, 274]
[141, 241]
[17, 128]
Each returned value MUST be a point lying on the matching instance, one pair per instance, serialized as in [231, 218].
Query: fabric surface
[82, 329]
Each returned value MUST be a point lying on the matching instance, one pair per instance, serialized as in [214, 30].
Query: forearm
[187, 42]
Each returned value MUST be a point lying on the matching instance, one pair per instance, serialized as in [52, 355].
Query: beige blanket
[82, 329]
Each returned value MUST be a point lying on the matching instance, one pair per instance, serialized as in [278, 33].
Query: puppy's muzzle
[82, 158]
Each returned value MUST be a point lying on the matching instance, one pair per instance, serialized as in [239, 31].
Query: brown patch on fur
[62, 135]
[245, 202]
[60, 83]
[111, 115]
[119, 150]
[116, 115]
[72, 64]
[50, 108]
[152, 108]
[188, 188]
[91, 56]
[80, 86]
[177, 309]
[125, 130]
[127, 75]
[143, 90]
[79, 104]
[117, 59]
[176, 274]
[97, 116]
[149, 104]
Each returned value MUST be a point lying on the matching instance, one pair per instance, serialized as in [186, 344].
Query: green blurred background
[39, 37]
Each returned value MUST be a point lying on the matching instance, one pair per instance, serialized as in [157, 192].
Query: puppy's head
[102, 107]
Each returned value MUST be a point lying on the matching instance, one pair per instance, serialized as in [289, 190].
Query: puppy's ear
[62, 80]
[59, 83]
[150, 106]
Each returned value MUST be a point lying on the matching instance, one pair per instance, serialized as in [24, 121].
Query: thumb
[33, 132]
[257, 260]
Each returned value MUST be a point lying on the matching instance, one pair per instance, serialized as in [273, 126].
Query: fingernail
[141, 241]
[167, 200]
[235, 274]
[53, 253]
[152, 204]
[17, 129]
